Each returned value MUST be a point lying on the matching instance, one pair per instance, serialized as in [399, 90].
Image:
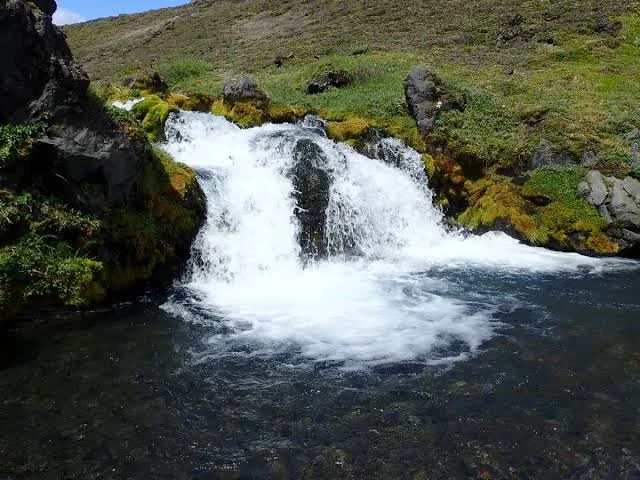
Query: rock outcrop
[618, 202]
[89, 201]
[39, 76]
[427, 96]
[243, 90]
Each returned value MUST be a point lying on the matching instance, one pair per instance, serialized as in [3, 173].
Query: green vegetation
[153, 112]
[15, 140]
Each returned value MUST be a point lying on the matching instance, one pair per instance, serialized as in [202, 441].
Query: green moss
[153, 112]
[351, 129]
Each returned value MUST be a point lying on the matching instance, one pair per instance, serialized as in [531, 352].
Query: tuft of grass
[15, 140]
[179, 71]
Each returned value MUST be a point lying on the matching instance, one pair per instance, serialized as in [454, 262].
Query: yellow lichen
[350, 129]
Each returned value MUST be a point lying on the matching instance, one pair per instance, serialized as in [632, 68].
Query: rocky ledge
[88, 207]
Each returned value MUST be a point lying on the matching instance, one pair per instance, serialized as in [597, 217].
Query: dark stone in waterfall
[311, 182]
[374, 146]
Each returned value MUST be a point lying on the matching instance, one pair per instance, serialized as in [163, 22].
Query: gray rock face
[598, 193]
[545, 155]
[243, 90]
[426, 96]
[311, 182]
[39, 75]
[324, 81]
[90, 166]
[624, 208]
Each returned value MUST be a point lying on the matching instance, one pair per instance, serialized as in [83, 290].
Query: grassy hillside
[561, 73]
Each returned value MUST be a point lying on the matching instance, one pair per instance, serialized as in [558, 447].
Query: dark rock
[324, 81]
[509, 71]
[148, 80]
[426, 96]
[47, 6]
[510, 29]
[91, 165]
[39, 76]
[375, 146]
[607, 26]
[316, 124]
[243, 90]
[311, 182]
[546, 155]
[540, 200]
[280, 59]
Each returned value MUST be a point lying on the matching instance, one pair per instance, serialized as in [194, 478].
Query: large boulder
[39, 76]
[311, 182]
[618, 203]
[427, 96]
[243, 90]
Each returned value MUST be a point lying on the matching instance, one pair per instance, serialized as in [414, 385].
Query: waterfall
[374, 295]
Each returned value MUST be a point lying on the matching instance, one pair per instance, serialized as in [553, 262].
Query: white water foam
[247, 279]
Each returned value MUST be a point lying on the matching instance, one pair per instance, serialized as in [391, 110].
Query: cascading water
[379, 295]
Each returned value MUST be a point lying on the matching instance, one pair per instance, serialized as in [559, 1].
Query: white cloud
[65, 17]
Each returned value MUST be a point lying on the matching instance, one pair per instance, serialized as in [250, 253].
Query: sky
[73, 11]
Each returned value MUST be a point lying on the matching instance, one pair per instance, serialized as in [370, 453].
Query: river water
[411, 351]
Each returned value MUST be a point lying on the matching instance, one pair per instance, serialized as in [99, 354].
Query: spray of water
[248, 283]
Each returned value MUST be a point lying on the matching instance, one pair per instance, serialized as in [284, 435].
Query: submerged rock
[311, 182]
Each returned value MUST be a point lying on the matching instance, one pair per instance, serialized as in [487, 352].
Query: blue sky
[71, 11]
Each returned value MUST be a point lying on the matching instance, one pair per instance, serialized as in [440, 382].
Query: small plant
[14, 138]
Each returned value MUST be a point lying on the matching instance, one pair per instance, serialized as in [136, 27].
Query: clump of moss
[153, 112]
[350, 129]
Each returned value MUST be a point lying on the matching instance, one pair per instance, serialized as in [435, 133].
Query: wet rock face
[311, 182]
[427, 96]
[618, 202]
[39, 76]
[324, 81]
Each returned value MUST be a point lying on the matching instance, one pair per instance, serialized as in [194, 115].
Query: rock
[604, 213]
[93, 166]
[243, 90]
[589, 160]
[427, 96]
[316, 124]
[607, 26]
[311, 182]
[510, 29]
[598, 190]
[545, 155]
[148, 80]
[324, 81]
[541, 200]
[625, 207]
[632, 135]
[47, 6]
[375, 146]
[584, 189]
[39, 76]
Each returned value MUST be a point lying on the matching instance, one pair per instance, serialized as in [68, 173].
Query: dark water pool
[119, 395]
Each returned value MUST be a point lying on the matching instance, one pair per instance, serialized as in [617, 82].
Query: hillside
[546, 84]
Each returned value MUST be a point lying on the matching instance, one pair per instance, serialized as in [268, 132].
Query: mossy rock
[153, 112]
[350, 129]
